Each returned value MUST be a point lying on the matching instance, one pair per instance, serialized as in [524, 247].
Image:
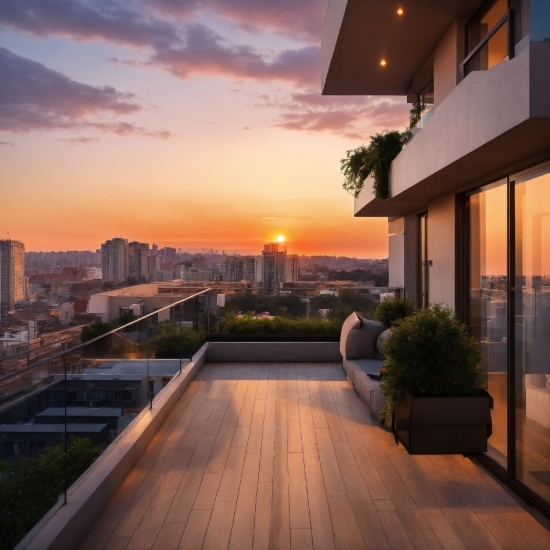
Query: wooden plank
[416, 529]
[331, 414]
[535, 531]
[346, 530]
[395, 533]
[219, 528]
[470, 529]
[207, 492]
[262, 518]
[242, 532]
[504, 532]
[300, 539]
[334, 484]
[104, 526]
[297, 492]
[231, 479]
[117, 542]
[280, 525]
[256, 428]
[443, 530]
[169, 536]
[362, 505]
[195, 530]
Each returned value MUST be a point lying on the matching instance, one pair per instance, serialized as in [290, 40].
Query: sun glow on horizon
[280, 238]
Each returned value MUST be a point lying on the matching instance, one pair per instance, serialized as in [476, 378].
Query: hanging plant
[374, 159]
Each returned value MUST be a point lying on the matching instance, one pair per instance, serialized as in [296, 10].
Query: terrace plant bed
[443, 425]
[434, 387]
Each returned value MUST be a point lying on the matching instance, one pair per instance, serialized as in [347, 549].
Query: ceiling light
[400, 11]
[383, 62]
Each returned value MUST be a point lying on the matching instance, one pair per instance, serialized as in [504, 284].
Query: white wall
[441, 249]
[396, 231]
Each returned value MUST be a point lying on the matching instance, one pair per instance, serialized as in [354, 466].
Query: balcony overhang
[526, 143]
[358, 34]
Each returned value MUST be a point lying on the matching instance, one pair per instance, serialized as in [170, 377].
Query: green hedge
[280, 325]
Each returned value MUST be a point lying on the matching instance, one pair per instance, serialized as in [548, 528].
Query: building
[12, 274]
[139, 261]
[154, 265]
[115, 260]
[292, 268]
[469, 196]
[273, 265]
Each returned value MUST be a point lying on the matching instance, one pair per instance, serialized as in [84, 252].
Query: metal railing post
[65, 430]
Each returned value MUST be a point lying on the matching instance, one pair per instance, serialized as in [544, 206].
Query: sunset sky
[178, 122]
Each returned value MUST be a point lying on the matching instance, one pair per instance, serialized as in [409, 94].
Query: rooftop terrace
[285, 455]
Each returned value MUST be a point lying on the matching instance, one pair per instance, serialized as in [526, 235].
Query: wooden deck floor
[286, 456]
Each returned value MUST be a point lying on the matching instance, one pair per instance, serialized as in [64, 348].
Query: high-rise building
[292, 268]
[115, 260]
[155, 264]
[249, 269]
[139, 261]
[12, 274]
[234, 269]
[274, 259]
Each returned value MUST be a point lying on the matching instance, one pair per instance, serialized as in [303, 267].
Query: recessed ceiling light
[400, 11]
[383, 62]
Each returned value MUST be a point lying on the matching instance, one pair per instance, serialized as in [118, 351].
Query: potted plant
[389, 312]
[434, 387]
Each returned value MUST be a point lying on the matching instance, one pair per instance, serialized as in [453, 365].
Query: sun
[281, 239]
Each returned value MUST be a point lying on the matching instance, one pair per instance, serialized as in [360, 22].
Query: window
[12, 448]
[98, 395]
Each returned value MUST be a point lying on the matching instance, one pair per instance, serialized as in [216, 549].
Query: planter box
[443, 425]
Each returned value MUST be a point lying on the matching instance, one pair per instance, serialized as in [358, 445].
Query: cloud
[302, 20]
[7, 143]
[118, 22]
[247, 128]
[184, 49]
[34, 97]
[352, 117]
[80, 140]
[206, 52]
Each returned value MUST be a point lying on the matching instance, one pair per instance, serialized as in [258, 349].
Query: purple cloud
[352, 117]
[206, 52]
[81, 140]
[34, 97]
[302, 20]
[182, 49]
[116, 22]
[7, 143]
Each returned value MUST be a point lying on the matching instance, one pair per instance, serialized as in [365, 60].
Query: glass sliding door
[488, 304]
[531, 291]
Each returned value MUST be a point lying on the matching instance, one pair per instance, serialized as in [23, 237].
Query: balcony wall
[491, 121]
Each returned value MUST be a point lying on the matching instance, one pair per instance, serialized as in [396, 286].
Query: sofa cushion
[381, 342]
[348, 349]
[364, 338]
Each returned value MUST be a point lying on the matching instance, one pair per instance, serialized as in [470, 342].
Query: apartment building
[115, 260]
[12, 274]
[469, 196]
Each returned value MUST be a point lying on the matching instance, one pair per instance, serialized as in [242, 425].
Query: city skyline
[175, 123]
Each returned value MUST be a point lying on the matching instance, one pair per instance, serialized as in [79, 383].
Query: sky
[184, 123]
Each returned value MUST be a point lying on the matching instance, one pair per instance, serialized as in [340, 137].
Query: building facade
[469, 196]
[273, 265]
[12, 274]
[115, 260]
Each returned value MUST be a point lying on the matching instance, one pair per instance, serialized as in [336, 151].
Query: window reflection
[532, 331]
[488, 301]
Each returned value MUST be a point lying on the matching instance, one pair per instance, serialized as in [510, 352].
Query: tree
[29, 488]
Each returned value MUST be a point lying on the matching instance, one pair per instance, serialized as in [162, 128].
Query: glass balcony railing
[65, 402]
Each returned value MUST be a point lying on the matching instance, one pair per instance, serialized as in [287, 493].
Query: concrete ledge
[65, 526]
[273, 351]
[367, 388]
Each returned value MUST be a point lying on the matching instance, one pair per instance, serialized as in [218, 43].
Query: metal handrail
[508, 17]
[84, 344]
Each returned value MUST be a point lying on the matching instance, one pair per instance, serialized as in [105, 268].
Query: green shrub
[430, 354]
[279, 325]
[171, 341]
[29, 488]
[390, 311]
